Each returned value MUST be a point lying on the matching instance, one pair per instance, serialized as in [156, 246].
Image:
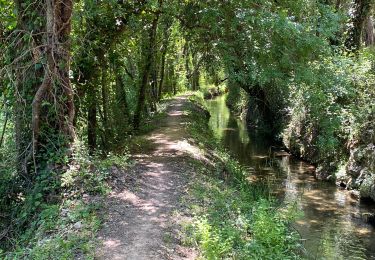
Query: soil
[143, 219]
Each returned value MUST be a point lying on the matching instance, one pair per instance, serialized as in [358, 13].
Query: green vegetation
[79, 79]
[67, 227]
[329, 110]
[234, 218]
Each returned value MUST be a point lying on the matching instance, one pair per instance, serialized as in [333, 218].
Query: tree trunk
[105, 101]
[369, 37]
[361, 14]
[122, 108]
[149, 47]
[195, 74]
[154, 86]
[45, 107]
[92, 119]
[5, 123]
[196, 77]
[162, 73]
[187, 65]
[163, 58]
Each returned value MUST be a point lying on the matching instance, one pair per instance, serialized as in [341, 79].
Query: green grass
[67, 228]
[151, 123]
[54, 237]
[233, 218]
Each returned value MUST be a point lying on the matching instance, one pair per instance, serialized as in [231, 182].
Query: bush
[328, 107]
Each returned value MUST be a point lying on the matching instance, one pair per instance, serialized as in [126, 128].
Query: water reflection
[331, 226]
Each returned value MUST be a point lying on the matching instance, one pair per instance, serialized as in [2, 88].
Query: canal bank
[333, 224]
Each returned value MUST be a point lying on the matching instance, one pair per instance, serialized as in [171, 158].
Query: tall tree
[44, 96]
[149, 57]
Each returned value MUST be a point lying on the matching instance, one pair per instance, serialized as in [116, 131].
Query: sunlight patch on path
[141, 215]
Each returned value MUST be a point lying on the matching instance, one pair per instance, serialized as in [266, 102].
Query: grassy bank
[63, 225]
[233, 218]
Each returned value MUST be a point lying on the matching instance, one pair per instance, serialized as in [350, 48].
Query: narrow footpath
[142, 220]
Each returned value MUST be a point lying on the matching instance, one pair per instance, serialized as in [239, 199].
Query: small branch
[4, 128]
[129, 73]
[223, 80]
[36, 105]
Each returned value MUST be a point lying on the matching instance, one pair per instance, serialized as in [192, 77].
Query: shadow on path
[140, 221]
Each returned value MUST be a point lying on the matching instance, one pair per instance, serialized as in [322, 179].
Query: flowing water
[332, 225]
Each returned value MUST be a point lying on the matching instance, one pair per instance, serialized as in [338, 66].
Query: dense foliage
[302, 71]
[88, 74]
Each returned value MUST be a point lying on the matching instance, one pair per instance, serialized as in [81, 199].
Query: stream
[331, 225]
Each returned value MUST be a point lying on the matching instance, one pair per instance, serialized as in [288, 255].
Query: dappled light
[140, 215]
[187, 129]
[292, 181]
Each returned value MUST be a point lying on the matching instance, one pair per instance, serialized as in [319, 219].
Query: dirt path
[141, 222]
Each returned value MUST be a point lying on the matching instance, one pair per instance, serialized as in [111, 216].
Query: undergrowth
[66, 227]
[63, 224]
[234, 218]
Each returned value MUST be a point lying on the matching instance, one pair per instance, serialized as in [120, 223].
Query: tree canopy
[94, 71]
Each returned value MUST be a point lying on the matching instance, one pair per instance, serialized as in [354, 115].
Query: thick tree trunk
[362, 11]
[26, 82]
[369, 37]
[44, 88]
[195, 74]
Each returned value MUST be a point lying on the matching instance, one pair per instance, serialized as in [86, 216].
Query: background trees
[94, 71]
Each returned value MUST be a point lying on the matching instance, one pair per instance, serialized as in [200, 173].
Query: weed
[234, 218]
[66, 228]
